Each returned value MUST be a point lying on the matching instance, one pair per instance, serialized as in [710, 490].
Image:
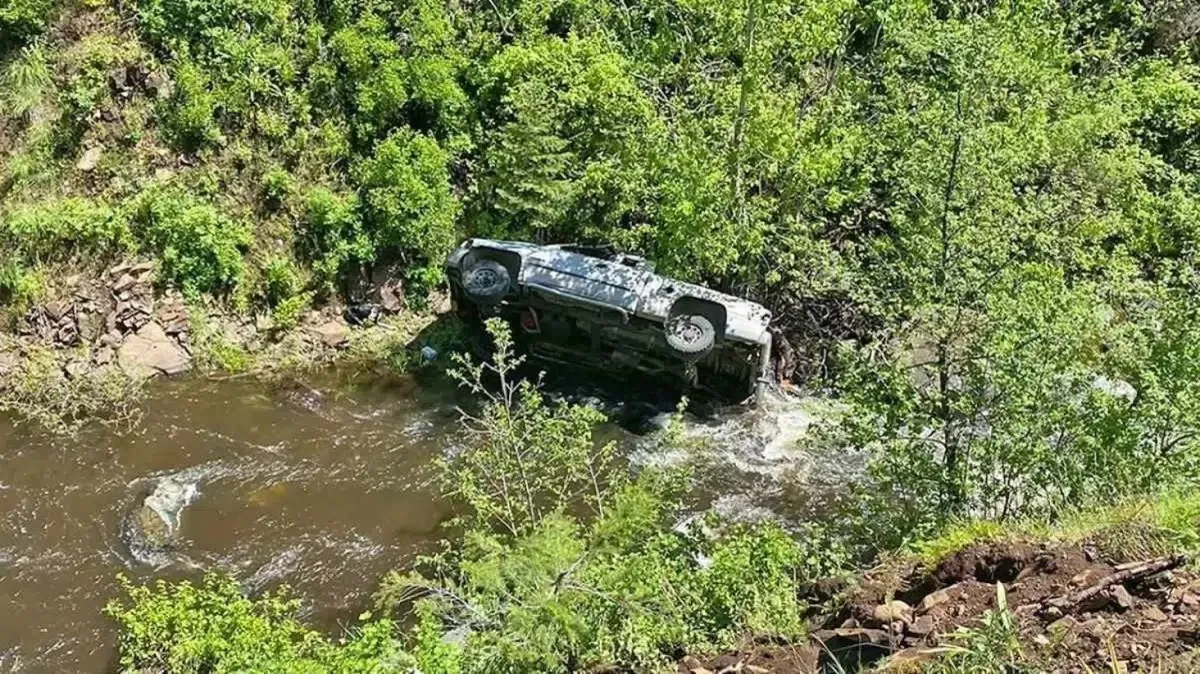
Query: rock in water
[154, 527]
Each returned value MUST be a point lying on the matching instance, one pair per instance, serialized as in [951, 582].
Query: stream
[323, 492]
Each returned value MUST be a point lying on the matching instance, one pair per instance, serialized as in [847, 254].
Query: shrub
[566, 565]
[211, 349]
[280, 281]
[332, 237]
[21, 20]
[199, 247]
[40, 391]
[278, 185]
[287, 314]
[213, 627]
[55, 230]
[19, 286]
[190, 116]
[407, 203]
[26, 81]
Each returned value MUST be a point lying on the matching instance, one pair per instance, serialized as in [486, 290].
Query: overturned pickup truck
[594, 307]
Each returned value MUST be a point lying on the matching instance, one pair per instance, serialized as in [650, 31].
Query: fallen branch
[1124, 574]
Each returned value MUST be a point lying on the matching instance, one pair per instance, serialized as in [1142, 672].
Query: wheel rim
[483, 279]
[687, 332]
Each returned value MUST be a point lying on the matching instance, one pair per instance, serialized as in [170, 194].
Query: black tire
[691, 335]
[486, 282]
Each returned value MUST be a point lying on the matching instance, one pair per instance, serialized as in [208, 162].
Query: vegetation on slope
[975, 221]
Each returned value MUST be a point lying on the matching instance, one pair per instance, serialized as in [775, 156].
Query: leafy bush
[199, 247]
[190, 119]
[58, 229]
[566, 565]
[26, 81]
[213, 627]
[408, 207]
[19, 286]
[287, 314]
[278, 185]
[38, 390]
[21, 20]
[332, 238]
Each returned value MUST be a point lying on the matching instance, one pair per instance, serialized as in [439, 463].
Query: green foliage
[332, 238]
[200, 248]
[211, 349]
[19, 286]
[213, 627]
[567, 149]
[280, 281]
[549, 449]
[39, 390]
[60, 229]
[287, 314]
[21, 20]
[991, 648]
[566, 565]
[26, 82]
[278, 185]
[408, 208]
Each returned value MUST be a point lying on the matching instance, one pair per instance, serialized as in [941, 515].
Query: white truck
[594, 307]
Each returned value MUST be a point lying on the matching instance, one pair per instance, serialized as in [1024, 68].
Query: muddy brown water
[325, 498]
[325, 495]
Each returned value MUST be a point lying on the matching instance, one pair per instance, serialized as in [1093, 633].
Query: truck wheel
[486, 282]
[691, 335]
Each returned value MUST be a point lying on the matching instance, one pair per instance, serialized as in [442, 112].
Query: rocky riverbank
[98, 337]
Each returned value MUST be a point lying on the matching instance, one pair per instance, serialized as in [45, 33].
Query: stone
[334, 334]
[922, 626]
[1121, 596]
[124, 283]
[160, 83]
[9, 362]
[57, 310]
[936, 598]
[893, 611]
[90, 158]
[76, 369]
[156, 522]
[91, 325]
[391, 298]
[1155, 614]
[104, 355]
[150, 352]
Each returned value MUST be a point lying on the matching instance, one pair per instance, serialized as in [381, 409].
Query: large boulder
[150, 351]
[152, 529]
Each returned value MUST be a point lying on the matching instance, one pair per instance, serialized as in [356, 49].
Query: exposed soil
[1074, 609]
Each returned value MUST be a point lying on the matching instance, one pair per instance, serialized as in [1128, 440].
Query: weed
[212, 351]
[40, 390]
[26, 82]
[200, 248]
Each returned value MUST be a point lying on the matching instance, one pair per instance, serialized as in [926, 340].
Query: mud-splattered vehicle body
[597, 308]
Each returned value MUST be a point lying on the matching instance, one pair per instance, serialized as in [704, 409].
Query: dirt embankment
[1072, 611]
